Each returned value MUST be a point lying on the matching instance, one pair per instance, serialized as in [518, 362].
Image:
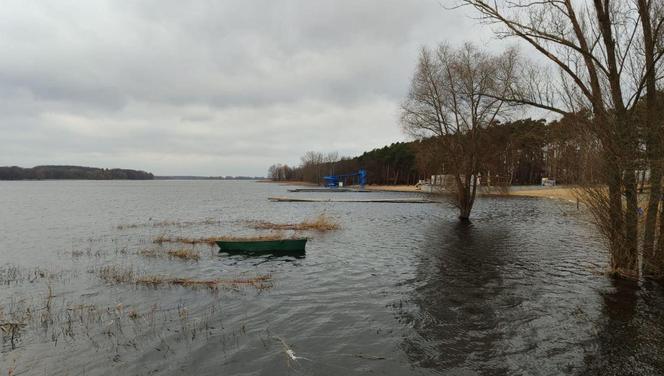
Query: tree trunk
[660, 240]
[463, 193]
[631, 223]
[616, 230]
[466, 192]
[651, 264]
[653, 144]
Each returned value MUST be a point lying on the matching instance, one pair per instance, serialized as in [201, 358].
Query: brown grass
[167, 223]
[12, 330]
[393, 188]
[320, 223]
[148, 253]
[116, 275]
[184, 254]
[213, 240]
[259, 282]
[566, 193]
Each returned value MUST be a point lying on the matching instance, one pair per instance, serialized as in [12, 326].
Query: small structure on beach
[338, 181]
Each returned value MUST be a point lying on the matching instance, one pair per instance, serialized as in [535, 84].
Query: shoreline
[565, 193]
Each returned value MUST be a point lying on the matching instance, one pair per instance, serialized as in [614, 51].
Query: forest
[71, 172]
[521, 152]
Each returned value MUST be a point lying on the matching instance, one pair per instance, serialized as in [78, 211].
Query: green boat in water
[277, 247]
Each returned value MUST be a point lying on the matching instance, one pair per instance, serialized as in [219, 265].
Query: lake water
[400, 289]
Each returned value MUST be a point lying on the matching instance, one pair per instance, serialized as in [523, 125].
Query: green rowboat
[275, 247]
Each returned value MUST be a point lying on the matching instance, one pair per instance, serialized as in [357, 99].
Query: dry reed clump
[116, 275]
[12, 330]
[184, 254]
[320, 223]
[213, 240]
[260, 282]
[148, 253]
[13, 274]
[102, 325]
[90, 253]
[166, 223]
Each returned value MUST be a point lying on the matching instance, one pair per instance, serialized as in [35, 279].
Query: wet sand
[559, 193]
[565, 193]
[392, 188]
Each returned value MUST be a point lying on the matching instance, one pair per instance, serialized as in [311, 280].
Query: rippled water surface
[399, 289]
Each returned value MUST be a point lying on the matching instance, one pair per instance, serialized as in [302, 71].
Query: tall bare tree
[652, 17]
[312, 165]
[600, 49]
[455, 93]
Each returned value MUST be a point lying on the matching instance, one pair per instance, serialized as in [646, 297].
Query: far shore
[289, 182]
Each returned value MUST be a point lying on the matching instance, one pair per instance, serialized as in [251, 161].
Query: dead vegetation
[11, 331]
[167, 223]
[184, 254]
[213, 240]
[319, 223]
[15, 274]
[115, 325]
[149, 252]
[117, 275]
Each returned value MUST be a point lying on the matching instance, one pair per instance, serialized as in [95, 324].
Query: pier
[413, 200]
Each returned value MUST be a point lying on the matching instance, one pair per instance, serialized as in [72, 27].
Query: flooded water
[399, 289]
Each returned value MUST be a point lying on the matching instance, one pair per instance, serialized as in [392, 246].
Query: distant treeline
[209, 177]
[518, 153]
[71, 172]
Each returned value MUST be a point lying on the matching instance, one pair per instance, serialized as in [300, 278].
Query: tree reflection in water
[493, 298]
[458, 299]
[630, 337]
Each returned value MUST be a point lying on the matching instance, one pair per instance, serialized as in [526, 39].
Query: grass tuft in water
[117, 275]
[184, 254]
[167, 223]
[213, 240]
[319, 223]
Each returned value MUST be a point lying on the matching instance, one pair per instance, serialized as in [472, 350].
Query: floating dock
[375, 200]
[327, 190]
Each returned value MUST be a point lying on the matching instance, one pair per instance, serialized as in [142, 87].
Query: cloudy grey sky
[209, 87]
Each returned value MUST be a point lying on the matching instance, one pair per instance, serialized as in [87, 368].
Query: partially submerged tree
[454, 95]
[608, 53]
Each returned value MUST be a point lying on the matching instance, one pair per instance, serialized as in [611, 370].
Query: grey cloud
[106, 82]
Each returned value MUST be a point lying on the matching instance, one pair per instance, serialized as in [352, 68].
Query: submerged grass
[102, 325]
[14, 274]
[319, 223]
[116, 275]
[213, 240]
[167, 223]
[184, 254]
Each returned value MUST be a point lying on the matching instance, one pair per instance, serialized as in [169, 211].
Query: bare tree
[330, 159]
[312, 163]
[600, 48]
[651, 16]
[455, 93]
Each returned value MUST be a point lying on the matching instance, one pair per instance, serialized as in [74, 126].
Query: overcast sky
[209, 87]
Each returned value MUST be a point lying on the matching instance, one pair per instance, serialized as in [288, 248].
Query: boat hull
[275, 247]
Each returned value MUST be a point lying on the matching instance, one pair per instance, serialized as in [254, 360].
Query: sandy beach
[559, 193]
